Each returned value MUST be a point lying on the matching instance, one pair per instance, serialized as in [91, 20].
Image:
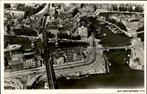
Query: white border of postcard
[70, 91]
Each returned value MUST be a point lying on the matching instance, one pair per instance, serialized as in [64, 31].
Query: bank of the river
[120, 76]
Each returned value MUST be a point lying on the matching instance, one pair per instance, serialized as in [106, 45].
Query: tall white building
[83, 32]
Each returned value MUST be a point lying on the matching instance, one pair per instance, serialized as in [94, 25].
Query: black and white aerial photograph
[73, 46]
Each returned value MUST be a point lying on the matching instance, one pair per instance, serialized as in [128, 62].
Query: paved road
[59, 69]
[90, 59]
[92, 56]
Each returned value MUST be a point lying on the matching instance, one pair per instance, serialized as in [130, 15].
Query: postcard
[72, 47]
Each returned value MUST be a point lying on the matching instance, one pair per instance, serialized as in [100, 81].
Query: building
[137, 55]
[15, 13]
[13, 58]
[83, 31]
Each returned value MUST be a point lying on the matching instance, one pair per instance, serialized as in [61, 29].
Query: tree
[114, 7]
[122, 8]
[121, 25]
[130, 9]
[7, 6]
[139, 8]
[21, 7]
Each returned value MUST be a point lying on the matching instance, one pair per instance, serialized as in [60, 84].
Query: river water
[120, 76]
[132, 79]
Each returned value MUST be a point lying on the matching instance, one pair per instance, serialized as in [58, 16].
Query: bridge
[90, 65]
[115, 48]
[93, 64]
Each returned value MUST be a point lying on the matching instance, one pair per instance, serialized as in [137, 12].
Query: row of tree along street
[127, 7]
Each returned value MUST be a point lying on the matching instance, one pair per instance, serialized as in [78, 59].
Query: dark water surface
[131, 79]
[120, 76]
